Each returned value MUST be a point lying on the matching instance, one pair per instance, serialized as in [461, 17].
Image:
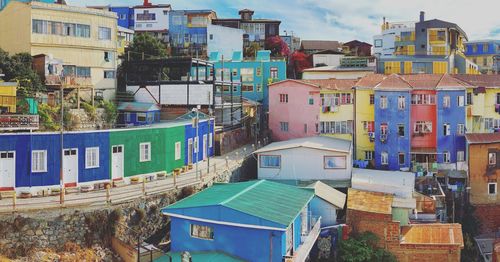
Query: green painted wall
[162, 149]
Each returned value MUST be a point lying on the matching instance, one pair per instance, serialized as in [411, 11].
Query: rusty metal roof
[320, 45]
[480, 80]
[373, 202]
[482, 138]
[433, 234]
[333, 84]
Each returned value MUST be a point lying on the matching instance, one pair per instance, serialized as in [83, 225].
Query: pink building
[293, 109]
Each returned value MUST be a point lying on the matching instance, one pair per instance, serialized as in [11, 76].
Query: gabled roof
[449, 82]
[191, 115]
[333, 84]
[437, 23]
[329, 194]
[422, 81]
[320, 45]
[393, 82]
[315, 142]
[433, 234]
[264, 199]
[480, 80]
[138, 107]
[303, 82]
[373, 202]
[370, 81]
[356, 43]
[482, 138]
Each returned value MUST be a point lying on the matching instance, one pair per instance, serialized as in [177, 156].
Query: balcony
[68, 81]
[307, 241]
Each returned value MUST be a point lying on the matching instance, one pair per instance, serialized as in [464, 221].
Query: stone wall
[22, 233]
[80, 120]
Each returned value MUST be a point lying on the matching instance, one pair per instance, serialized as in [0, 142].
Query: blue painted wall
[191, 133]
[492, 48]
[392, 116]
[133, 118]
[125, 16]
[325, 210]
[453, 115]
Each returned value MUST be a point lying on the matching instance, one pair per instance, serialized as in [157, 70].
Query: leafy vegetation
[90, 110]
[470, 229]
[145, 46]
[18, 68]
[110, 112]
[363, 248]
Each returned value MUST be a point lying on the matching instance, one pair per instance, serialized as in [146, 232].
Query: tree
[252, 49]
[470, 229]
[277, 46]
[363, 248]
[18, 68]
[145, 46]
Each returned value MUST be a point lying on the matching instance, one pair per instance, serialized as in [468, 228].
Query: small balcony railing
[307, 241]
[68, 81]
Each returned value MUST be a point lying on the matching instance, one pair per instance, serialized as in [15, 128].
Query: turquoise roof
[275, 202]
[199, 257]
[237, 56]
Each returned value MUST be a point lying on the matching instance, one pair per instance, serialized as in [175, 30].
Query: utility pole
[197, 148]
[209, 133]
[61, 171]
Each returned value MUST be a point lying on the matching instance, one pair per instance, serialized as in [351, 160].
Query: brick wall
[425, 253]
[489, 215]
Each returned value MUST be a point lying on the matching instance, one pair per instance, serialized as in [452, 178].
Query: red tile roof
[425, 81]
[483, 138]
[433, 234]
[480, 80]
[393, 81]
[333, 84]
[370, 81]
[448, 81]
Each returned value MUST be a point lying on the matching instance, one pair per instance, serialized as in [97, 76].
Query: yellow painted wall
[364, 112]
[439, 67]
[483, 106]
[408, 67]
[393, 67]
[8, 97]
[15, 28]
[344, 113]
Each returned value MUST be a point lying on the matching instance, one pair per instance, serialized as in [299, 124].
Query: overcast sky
[345, 20]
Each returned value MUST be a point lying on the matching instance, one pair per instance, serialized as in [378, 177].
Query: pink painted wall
[296, 112]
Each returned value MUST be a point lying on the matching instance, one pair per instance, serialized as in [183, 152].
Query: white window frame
[369, 155]
[35, 168]
[461, 100]
[460, 129]
[384, 158]
[447, 129]
[446, 102]
[383, 102]
[496, 189]
[494, 162]
[195, 144]
[401, 103]
[177, 150]
[145, 156]
[198, 235]
[91, 162]
[446, 157]
[460, 156]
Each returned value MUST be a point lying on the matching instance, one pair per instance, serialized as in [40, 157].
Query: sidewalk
[127, 193]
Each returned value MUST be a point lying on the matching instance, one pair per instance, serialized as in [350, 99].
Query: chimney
[422, 16]
[146, 3]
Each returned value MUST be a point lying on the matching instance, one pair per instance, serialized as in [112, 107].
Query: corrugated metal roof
[442, 234]
[320, 45]
[399, 183]
[482, 138]
[137, 107]
[316, 142]
[373, 202]
[329, 194]
[333, 84]
[276, 202]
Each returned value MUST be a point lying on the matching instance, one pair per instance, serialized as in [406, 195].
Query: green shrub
[110, 111]
[90, 110]
[363, 248]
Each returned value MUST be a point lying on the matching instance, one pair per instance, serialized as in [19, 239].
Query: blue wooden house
[138, 114]
[254, 221]
[198, 148]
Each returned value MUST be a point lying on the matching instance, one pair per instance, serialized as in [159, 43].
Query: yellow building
[364, 115]
[337, 107]
[84, 39]
[125, 37]
[8, 97]
[483, 102]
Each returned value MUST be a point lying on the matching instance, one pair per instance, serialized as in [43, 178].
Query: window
[247, 87]
[284, 98]
[104, 33]
[423, 99]
[196, 146]
[108, 74]
[246, 74]
[461, 101]
[423, 127]
[305, 128]
[146, 16]
[82, 71]
[38, 161]
[284, 126]
[334, 162]
[336, 127]
[59, 28]
[401, 102]
[92, 157]
[310, 100]
[378, 42]
[203, 232]
[145, 152]
[369, 155]
[211, 37]
[460, 129]
[273, 72]
[446, 102]
[384, 158]
[141, 117]
[446, 157]
[492, 158]
[259, 87]
[383, 102]
[492, 188]
[460, 156]
[485, 48]
[372, 99]
[469, 99]
[401, 130]
[498, 99]
[446, 129]
[127, 117]
[401, 158]
[177, 150]
[383, 129]
[270, 161]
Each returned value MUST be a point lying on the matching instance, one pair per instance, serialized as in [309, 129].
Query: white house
[326, 202]
[225, 40]
[152, 18]
[306, 159]
[200, 94]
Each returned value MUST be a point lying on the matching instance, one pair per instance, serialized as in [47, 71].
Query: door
[70, 166]
[205, 143]
[190, 151]
[7, 170]
[117, 162]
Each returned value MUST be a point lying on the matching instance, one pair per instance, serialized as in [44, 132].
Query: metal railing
[306, 243]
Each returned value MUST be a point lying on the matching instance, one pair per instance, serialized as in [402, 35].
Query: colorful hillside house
[138, 114]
